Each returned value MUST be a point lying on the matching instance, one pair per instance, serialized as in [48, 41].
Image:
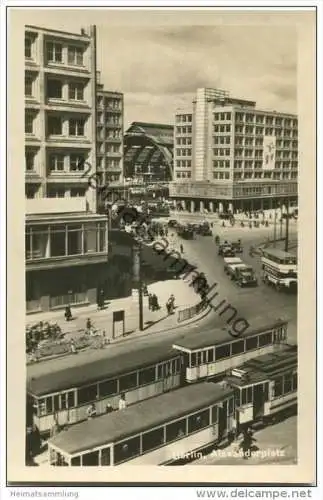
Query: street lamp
[137, 280]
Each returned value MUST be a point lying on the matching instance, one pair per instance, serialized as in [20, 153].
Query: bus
[279, 269]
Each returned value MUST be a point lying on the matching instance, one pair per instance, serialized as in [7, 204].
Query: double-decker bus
[279, 269]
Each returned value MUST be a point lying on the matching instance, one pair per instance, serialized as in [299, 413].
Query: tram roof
[218, 336]
[109, 366]
[267, 366]
[280, 254]
[138, 418]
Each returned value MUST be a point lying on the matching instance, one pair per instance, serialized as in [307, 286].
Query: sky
[158, 65]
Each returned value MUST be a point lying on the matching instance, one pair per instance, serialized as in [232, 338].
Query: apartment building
[110, 119]
[231, 156]
[66, 240]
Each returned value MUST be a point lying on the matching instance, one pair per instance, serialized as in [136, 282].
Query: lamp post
[137, 280]
[287, 226]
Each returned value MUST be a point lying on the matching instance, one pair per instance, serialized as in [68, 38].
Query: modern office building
[66, 240]
[229, 155]
[109, 134]
[148, 152]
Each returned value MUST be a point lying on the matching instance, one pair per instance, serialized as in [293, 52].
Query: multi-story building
[66, 240]
[109, 135]
[231, 156]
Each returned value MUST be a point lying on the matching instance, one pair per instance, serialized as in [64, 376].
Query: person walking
[122, 402]
[100, 300]
[246, 443]
[91, 411]
[150, 302]
[68, 313]
[181, 248]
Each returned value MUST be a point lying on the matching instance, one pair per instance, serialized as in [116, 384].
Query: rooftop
[96, 369]
[139, 417]
[218, 336]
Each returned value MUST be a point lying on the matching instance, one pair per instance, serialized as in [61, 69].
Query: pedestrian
[91, 411]
[68, 313]
[246, 443]
[100, 300]
[150, 302]
[155, 302]
[122, 402]
[73, 347]
[181, 248]
[89, 326]
[108, 408]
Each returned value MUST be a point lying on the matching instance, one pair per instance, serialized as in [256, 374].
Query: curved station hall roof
[148, 151]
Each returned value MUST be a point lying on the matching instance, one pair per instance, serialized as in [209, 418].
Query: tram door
[223, 411]
[258, 401]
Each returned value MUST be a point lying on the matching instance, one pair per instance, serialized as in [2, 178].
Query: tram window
[265, 339]
[238, 398]
[167, 369]
[193, 359]
[294, 381]
[87, 394]
[246, 396]
[249, 394]
[42, 406]
[266, 392]
[128, 381]
[71, 399]
[214, 414]
[287, 383]
[75, 461]
[210, 355]
[230, 407]
[147, 376]
[159, 372]
[91, 459]
[49, 404]
[64, 401]
[152, 439]
[105, 456]
[108, 387]
[252, 343]
[127, 449]
[176, 430]
[198, 358]
[60, 460]
[237, 347]
[278, 387]
[198, 421]
[222, 352]
[177, 365]
[56, 402]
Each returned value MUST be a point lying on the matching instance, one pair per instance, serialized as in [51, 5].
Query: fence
[192, 311]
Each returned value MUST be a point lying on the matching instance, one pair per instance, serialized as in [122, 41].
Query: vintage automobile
[226, 250]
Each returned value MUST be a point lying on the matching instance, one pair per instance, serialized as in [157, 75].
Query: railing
[192, 311]
[69, 299]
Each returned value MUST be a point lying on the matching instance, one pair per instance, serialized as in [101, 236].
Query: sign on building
[269, 147]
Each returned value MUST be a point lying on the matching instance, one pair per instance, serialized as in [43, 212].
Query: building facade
[110, 119]
[229, 156]
[66, 240]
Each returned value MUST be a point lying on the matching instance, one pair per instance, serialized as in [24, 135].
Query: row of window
[221, 164]
[183, 118]
[184, 141]
[55, 125]
[237, 347]
[148, 441]
[183, 130]
[221, 175]
[224, 139]
[246, 395]
[222, 128]
[183, 152]
[249, 129]
[259, 164]
[183, 163]
[112, 104]
[54, 52]
[58, 162]
[222, 116]
[265, 175]
[183, 175]
[221, 152]
[268, 120]
[61, 240]
[107, 388]
[109, 163]
[284, 384]
[258, 141]
[55, 192]
[54, 89]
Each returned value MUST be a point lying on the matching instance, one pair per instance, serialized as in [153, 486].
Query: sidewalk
[102, 320]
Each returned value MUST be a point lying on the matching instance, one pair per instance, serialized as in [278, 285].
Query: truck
[245, 276]
[230, 264]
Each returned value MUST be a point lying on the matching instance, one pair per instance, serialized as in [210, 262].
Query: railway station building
[230, 156]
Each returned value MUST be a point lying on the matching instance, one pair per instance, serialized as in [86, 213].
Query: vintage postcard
[161, 166]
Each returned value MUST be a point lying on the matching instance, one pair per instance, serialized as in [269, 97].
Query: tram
[279, 269]
[153, 432]
[61, 396]
[212, 353]
[176, 426]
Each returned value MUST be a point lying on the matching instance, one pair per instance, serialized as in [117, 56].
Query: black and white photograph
[166, 234]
